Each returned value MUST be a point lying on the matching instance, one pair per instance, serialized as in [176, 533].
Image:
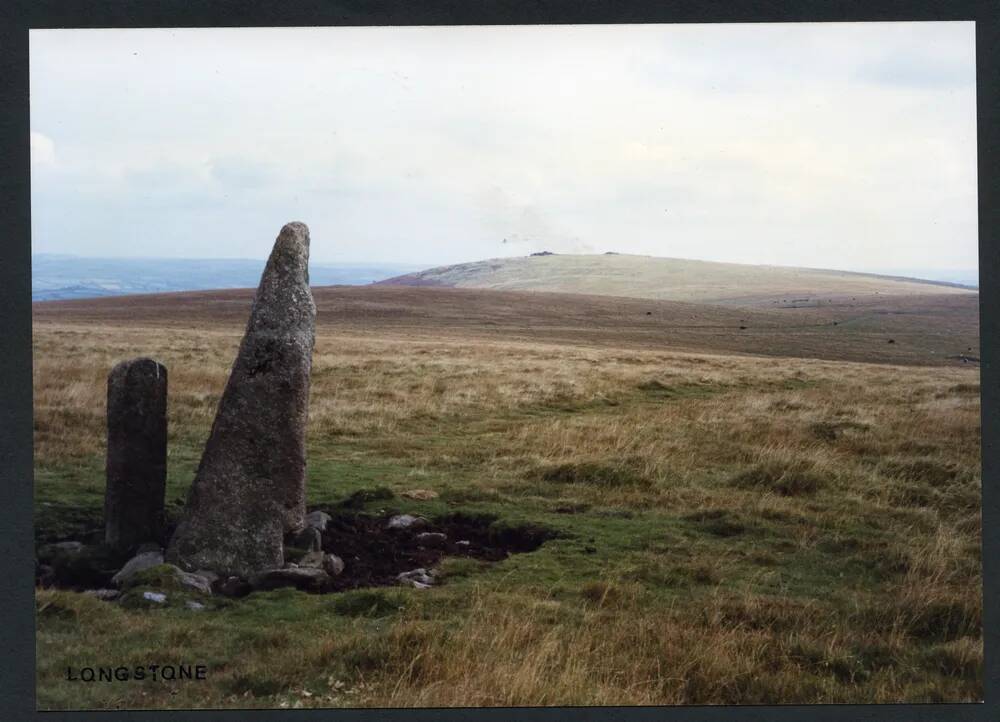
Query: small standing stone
[137, 453]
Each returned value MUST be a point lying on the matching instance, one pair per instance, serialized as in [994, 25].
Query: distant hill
[59, 277]
[673, 279]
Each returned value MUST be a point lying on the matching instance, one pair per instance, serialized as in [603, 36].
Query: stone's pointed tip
[295, 228]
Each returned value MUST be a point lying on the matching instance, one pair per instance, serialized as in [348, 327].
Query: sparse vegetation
[730, 529]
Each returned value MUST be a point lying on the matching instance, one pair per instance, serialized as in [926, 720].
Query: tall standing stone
[249, 489]
[137, 453]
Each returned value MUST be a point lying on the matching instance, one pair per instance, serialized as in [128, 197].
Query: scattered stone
[136, 465]
[194, 581]
[419, 494]
[104, 594]
[146, 560]
[318, 519]
[406, 521]
[155, 597]
[309, 539]
[312, 559]
[463, 543]
[193, 605]
[333, 565]
[329, 563]
[417, 578]
[250, 486]
[232, 587]
[431, 539]
[304, 578]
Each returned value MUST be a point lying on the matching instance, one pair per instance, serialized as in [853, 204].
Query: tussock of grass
[926, 471]
[594, 474]
[788, 480]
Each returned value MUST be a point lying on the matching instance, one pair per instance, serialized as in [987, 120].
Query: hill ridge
[667, 278]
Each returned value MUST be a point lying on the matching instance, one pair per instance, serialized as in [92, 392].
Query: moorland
[773, 500]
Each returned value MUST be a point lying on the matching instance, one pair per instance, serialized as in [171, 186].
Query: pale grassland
[666, 278]
[736, 529]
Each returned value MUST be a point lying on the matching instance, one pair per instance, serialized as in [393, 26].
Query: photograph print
[491, 366]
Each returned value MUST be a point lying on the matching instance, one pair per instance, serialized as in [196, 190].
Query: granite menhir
[137, 453]
[249, 490]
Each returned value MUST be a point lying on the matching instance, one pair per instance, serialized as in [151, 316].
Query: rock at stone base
[136, 564]
[406, 521]
[136, 466]
[193, 605]
[333, 565]
[431, 539]
[309, 539]
[249, 490]
[232, 587]
[329, 563]
[318, 519]
[312, 559]
[304, 578]
[417, 578]
[191, 580]
[104, 594]
[154, 597]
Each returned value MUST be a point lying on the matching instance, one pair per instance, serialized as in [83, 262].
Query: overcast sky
[846, 146]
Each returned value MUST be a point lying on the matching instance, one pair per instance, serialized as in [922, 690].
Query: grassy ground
[735, 529]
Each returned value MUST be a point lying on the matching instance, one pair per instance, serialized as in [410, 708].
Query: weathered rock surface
[309, 539]
[333, 565]
[329, 563]
[305, 578]
[192, 581]
[232, 587]
[417, 578]
[155, 597]
[406, 521]
[136, 464]
[318, 520]
[249, 490]
[138, 563]
[431, 539]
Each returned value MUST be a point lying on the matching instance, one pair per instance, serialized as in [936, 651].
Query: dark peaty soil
[373, 554]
